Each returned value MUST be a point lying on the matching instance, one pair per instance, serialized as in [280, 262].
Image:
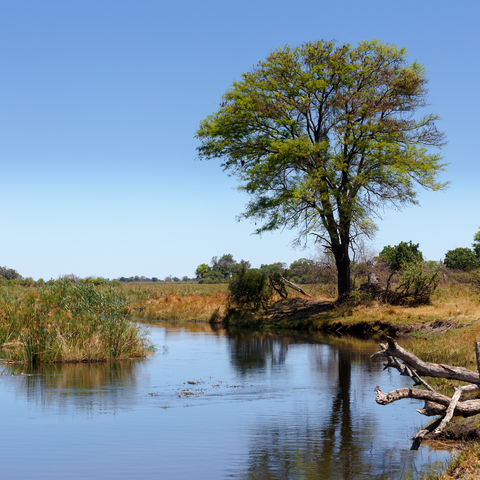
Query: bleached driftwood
[435, 403]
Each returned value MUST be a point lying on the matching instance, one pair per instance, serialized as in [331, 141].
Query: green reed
[67, 321]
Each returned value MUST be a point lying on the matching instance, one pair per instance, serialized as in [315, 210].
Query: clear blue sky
[100, 101]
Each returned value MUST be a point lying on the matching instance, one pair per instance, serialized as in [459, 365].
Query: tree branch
[429, 369]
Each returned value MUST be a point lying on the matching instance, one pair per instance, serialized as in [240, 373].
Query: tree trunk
[342, 262]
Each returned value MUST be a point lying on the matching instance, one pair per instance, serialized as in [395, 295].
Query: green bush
[418, 281]
[250, 289]
[398, 256]
[461, 259]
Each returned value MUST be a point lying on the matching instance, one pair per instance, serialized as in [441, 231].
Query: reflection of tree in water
[251, 351]
[334, 449]
[92, 387]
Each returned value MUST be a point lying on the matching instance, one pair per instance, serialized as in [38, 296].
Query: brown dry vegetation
[176, 301]
[181, 308]
[455, 302]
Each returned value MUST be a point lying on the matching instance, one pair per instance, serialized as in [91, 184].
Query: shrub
[418, 281]
[250, 289]
[476, 244]
[398, 258]
[461, 259]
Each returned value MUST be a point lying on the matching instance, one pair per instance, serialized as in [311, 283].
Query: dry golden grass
[463, 310]
[135, 292]
[454, 347]
[193, 301]
[181, 308]
[457, 303]
[175, 301]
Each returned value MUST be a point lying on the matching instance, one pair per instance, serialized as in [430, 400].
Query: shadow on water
[255, 351]
[340, 442]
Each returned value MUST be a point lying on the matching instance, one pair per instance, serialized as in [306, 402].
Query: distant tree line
[221, 269]
[402, 264]
[142, 278]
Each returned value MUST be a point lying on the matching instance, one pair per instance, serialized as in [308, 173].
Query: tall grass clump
[68, 321]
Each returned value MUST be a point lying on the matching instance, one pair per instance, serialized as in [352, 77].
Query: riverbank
[464, 466]
[443, 331]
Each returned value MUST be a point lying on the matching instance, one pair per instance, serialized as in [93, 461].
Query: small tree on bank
[250, 289]
[322, 136]
[398, 257]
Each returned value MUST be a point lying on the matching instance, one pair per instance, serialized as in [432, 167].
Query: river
[208, 405]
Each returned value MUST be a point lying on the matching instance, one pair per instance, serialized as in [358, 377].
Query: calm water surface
[212, 406]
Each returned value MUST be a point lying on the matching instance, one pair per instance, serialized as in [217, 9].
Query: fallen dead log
[438, 370]
[465, 408]
[435, 403]
[294, 286]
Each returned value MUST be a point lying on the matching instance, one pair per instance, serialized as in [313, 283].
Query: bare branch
[427, 368]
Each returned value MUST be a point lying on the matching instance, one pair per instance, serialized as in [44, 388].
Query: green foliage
[400, 255]
[418, 281]
[303, 270]
[250, 289]
[461, 259]
[275, 273]
[96, 281]
[67, 321]
[202, 270]
[277, 268]
[476, 244]
[221, 270]
[9, 274]
[323, 135]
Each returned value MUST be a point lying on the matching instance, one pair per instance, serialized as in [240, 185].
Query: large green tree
[322, 136]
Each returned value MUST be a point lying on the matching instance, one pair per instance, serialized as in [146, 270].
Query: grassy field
[175, 301]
